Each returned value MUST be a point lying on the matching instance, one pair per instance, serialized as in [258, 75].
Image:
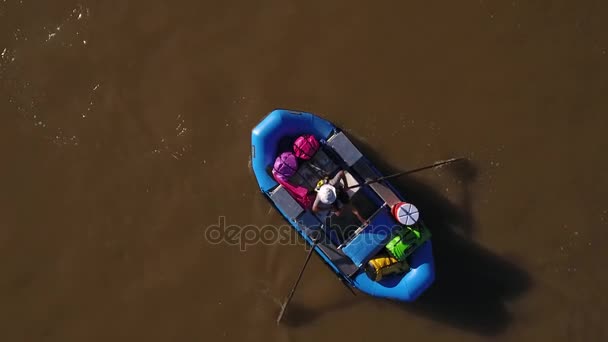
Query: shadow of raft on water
[472, 284]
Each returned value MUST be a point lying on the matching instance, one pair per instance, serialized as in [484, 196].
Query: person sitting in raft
[332, 197]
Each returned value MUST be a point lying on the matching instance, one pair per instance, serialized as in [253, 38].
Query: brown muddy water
[125, 133]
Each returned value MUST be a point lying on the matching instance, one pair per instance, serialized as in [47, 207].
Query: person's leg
[338, 205]
[356, 212]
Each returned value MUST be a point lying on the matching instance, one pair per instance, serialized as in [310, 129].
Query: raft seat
[283, 200]
[367, 173]
[354, 159]
[344, 148]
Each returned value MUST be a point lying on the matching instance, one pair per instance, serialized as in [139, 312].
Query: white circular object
[327, 194]
[407, 214]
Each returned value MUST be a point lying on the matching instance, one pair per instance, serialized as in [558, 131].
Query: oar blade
[447, 161]
[283, 307]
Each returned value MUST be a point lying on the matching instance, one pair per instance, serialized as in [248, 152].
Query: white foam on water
[28, 98]
[175, 146]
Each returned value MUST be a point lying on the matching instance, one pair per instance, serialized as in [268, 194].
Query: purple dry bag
[286, 164]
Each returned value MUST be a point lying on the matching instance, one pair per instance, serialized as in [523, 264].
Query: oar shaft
[407, 172]
[293, 290]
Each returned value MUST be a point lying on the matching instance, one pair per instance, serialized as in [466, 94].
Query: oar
[293, 290]
[436, 164]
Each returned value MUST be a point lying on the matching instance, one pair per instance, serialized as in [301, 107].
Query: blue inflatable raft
[348, 246]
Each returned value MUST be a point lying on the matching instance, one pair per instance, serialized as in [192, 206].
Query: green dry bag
[406, 241]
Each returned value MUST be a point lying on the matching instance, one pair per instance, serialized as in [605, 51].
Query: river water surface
[125, 133]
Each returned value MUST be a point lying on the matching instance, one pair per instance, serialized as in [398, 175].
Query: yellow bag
[384, 265]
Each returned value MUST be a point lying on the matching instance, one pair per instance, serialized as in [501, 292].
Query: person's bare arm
[316, 205]
[339, 176]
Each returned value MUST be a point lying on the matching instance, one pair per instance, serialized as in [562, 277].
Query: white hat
[327, 194]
